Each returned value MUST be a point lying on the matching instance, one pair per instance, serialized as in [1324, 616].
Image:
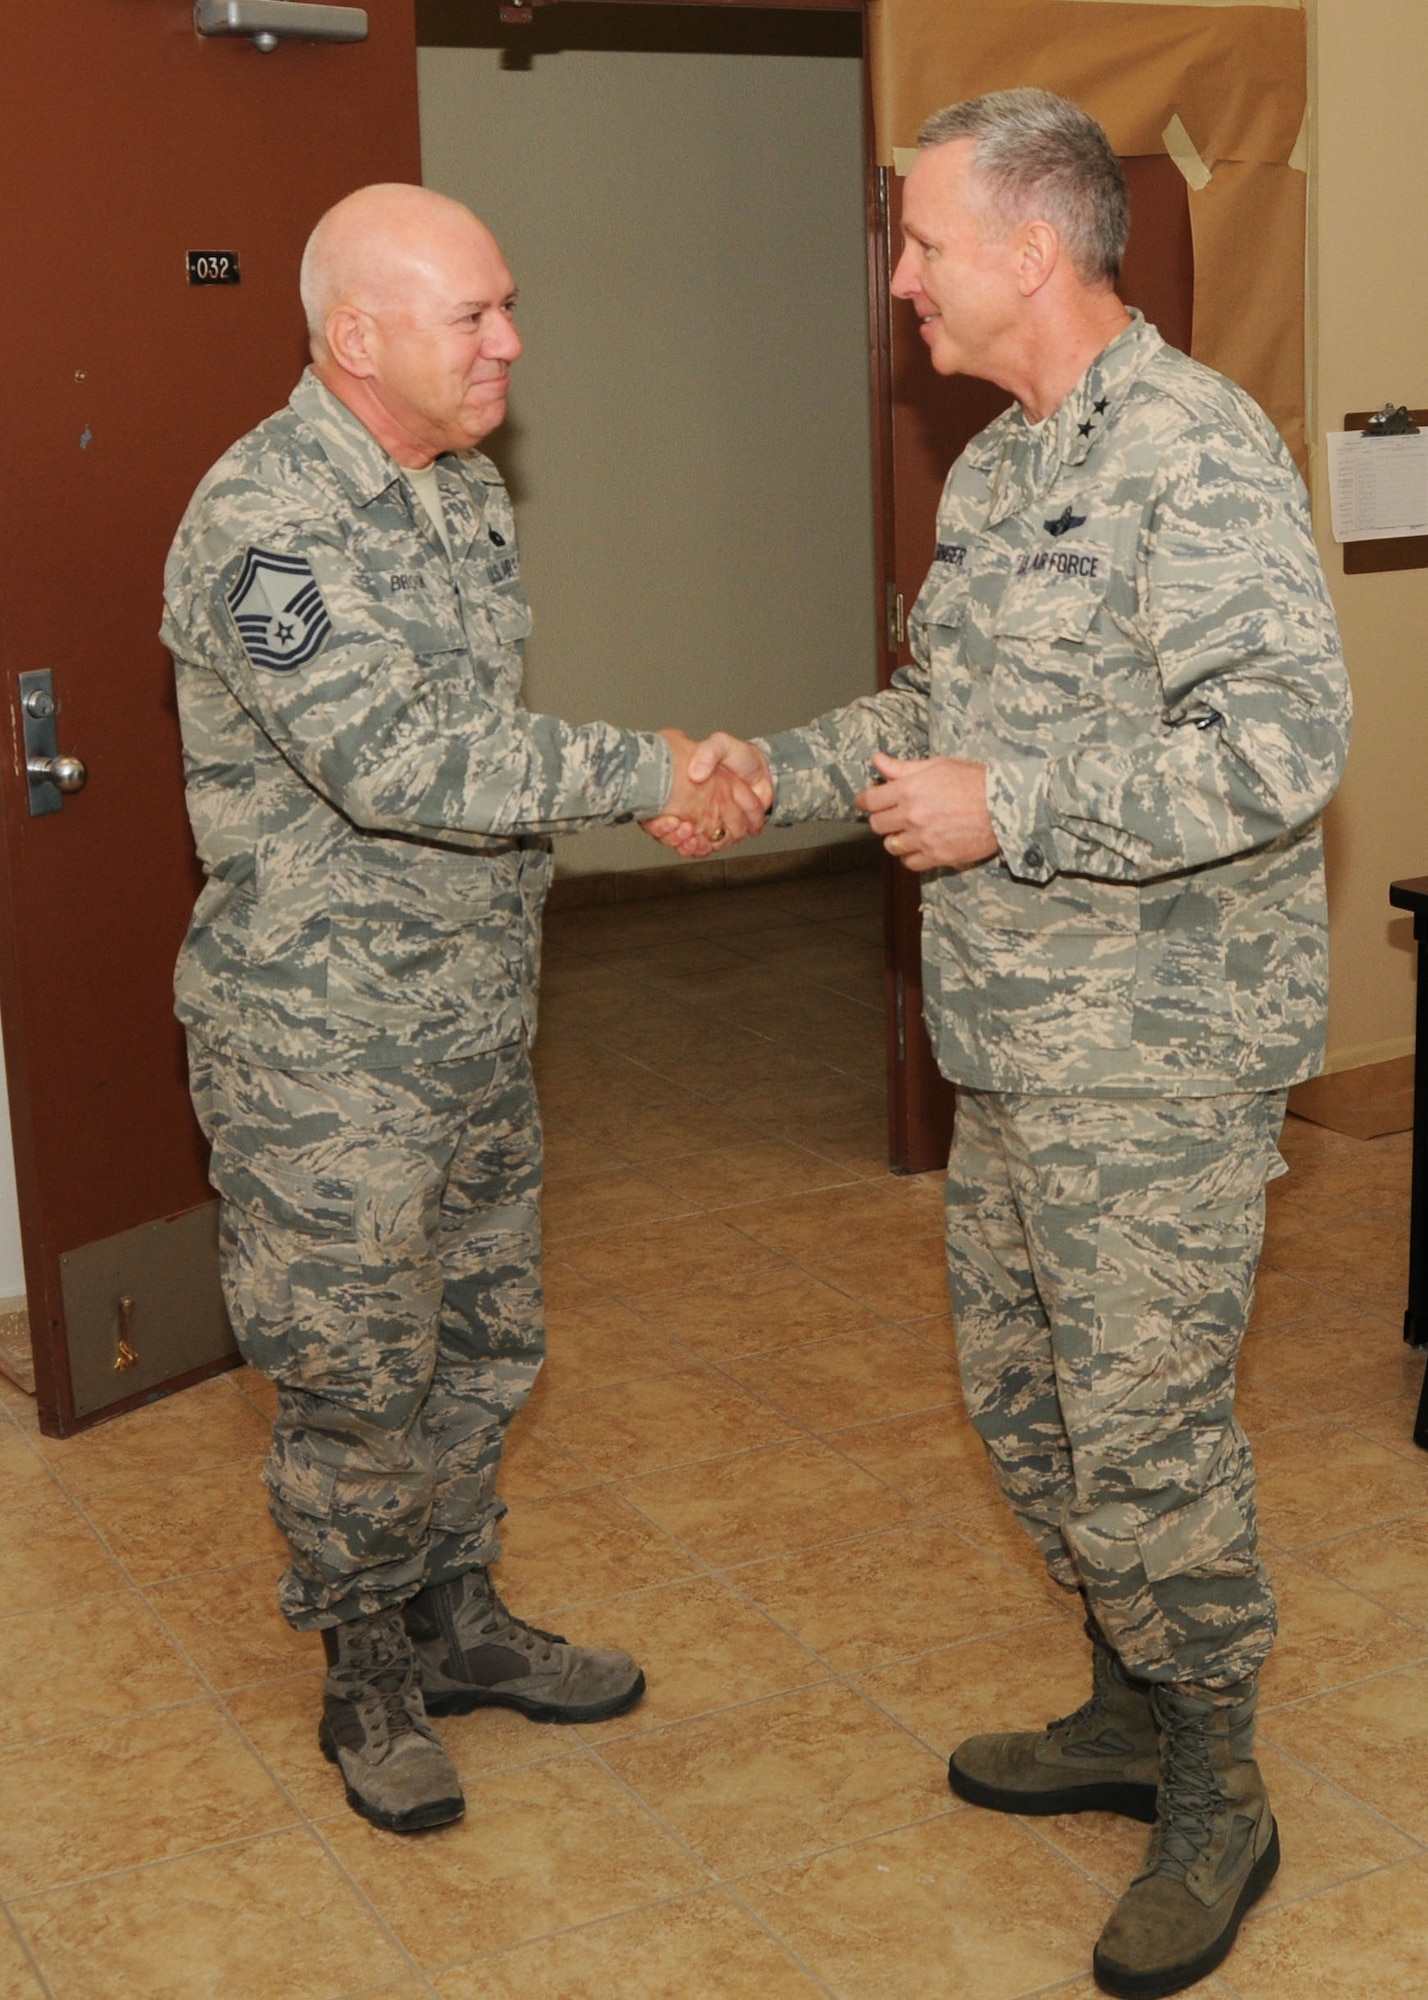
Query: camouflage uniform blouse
[1127, 622]
[361, 772]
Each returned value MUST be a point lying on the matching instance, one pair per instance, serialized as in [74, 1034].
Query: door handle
[51, 775]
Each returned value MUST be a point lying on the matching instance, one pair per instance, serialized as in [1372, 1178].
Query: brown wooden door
[127, 141]
[923, 421]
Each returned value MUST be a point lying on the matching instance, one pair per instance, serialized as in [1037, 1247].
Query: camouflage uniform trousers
[380, 1246]
[1101, 1261]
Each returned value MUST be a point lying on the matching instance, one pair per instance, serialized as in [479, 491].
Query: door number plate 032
[213, 267]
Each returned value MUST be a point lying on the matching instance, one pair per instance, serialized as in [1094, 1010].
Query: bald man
[370, 802]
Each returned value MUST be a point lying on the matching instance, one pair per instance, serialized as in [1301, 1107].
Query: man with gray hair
[1108, 763]
[370, 799]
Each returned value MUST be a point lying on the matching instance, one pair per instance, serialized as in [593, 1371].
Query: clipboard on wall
[1387, 552]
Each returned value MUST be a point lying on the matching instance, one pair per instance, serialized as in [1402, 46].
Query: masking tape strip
[1299, 158]
[1185, 153]
[903, 157]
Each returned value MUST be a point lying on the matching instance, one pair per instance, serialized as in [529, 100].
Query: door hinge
[900, 1015]
[897, 620]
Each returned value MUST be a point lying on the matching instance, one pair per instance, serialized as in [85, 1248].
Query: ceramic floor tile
[63, 1667]
[1367, 1937]
[781, 1779]
[18, 1979]
[210, 1424]
[830, 1384]
[1388, 1563]
[891, 1596]
[1329, 1635]
[169, 1526]
[1391, 1425]
[934, 1457]
[1361, 1259]
[535, 1467]
[228, 1622]
[1372, 1740]
[549, 1845]
[643, 1426]
[976, 1895]
[1343, 1359]
[580, 1547]
[694, 1949]
[567, 1157]
[104, 1797]
[766, 1503]
[599, 1342]
[267, 1919]
[754, 1172]
[748, 1314]
[643, 1134]
[890, 1280]
[47, 1554]
[1321, 1480]
[662, 1257]
[21, 1407]
[810, 1227]
[260, 1392]
[612, 1199]
[1022, 1680]
[702, 1649]
[1279, 1297]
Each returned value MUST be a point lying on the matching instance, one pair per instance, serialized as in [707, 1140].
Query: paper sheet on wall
[1378, 486]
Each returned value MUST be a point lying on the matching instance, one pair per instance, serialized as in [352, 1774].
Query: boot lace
[1189, 1794]
[378, 1672]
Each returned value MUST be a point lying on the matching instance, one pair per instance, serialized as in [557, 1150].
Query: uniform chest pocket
[1049, 607]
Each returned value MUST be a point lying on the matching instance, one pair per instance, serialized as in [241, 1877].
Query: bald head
[408, 303]
[374, 248]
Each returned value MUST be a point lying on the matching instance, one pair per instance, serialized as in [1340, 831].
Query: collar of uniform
[357, 458]
[1033, 454]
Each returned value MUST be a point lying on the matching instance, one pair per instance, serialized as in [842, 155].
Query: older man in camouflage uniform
[344, 608]
[1127, 713]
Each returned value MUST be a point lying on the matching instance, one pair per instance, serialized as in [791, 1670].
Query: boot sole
[420, 1819]
[1131, 1801]
[1126, 1984]
[461, 1701]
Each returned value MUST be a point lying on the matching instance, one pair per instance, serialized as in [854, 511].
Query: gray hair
[1040, 157]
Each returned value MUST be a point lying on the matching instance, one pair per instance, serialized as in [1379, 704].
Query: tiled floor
[747, 1461]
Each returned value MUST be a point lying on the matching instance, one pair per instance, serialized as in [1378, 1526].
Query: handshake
[721, 792]
[929, 812]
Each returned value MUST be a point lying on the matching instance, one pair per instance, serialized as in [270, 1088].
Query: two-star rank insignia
[1100, 407]
[1064, 521]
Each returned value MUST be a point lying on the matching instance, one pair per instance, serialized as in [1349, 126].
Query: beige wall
[688, 447]
[1369, 325]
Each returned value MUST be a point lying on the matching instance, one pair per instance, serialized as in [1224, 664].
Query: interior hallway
[747, 1462]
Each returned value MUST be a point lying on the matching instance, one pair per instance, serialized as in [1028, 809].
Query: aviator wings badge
[1065, 520]
[279, 611]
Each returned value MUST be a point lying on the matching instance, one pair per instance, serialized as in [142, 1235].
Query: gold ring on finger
[894, 843]
[719, 833]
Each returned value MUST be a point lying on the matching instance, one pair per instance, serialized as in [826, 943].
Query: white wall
[688, 446]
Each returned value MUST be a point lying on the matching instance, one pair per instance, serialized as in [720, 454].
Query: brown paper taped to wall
[1231, 79]
[1235, 75]
[1248, 228]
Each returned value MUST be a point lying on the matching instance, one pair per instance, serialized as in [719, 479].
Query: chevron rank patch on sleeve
[278, 610]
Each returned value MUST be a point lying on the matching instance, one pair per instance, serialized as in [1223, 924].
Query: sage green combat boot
[475, 1654]
[1104, 1758]
[1212, 1855]
[375, 1730]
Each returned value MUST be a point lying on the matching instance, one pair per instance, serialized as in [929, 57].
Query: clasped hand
[721, 792]
[931, 812]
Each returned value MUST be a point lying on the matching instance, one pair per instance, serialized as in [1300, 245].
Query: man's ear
[1038, 254]
[349, 333]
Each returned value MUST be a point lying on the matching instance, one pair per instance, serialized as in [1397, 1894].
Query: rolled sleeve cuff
[1018, 806]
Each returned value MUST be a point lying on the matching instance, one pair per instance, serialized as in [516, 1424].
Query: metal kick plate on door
[142, 1307]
